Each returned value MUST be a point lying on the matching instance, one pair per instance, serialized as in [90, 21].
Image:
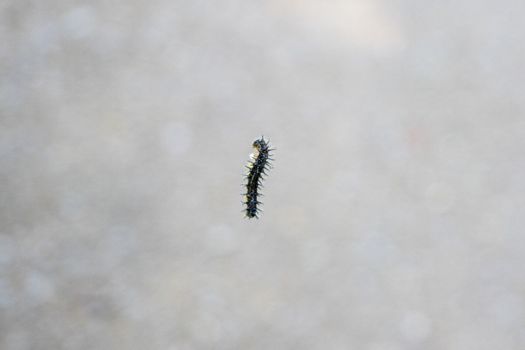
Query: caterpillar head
[260, 145]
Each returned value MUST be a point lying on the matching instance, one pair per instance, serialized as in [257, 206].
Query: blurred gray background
[393, 216]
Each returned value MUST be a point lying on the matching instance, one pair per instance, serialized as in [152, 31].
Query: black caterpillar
[257, 167]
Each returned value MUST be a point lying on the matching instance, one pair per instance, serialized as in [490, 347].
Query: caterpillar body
[257, 167]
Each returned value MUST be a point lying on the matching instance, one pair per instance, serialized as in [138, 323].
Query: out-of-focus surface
[393, 216]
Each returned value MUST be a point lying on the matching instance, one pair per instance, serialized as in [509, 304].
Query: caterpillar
[257, 166]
